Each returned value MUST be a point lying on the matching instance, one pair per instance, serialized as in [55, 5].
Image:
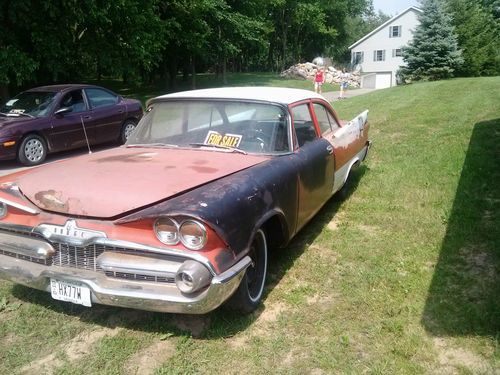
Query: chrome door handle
[329, 149]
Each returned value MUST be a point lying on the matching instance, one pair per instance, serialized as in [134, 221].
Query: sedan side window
[325, 120]
[74, 100]
[303, 124]
[100, 98]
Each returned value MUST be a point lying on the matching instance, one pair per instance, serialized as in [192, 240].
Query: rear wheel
[249, 293]
[127, 128]
[32, 150]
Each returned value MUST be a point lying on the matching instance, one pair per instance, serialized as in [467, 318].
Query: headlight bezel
[180, 237]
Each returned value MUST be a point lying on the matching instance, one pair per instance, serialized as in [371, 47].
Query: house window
[398, 52]
[379, 55]
[394, 31]
[357, 58]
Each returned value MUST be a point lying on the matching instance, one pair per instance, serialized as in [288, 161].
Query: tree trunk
[193, 72]
[224, 73]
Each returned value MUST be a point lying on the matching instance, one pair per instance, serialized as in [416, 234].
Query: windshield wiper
[152, 145]
[3, 114]
[25, 114]
[232, 149]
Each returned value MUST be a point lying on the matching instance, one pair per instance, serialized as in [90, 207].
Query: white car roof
[271, 94]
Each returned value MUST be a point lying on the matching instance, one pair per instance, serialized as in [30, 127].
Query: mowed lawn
[399, 276]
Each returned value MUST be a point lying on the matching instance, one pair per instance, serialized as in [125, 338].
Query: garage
[380, 80]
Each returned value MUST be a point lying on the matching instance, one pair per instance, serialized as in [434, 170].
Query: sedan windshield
[29, 103]
[225, 126]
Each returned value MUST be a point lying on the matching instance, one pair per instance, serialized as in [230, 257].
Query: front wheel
[127, 128]
[32, 150]
[249, 293]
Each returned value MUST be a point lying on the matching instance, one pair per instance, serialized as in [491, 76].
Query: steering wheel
[257, 136]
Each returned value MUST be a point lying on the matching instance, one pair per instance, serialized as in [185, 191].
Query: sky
[393, 7]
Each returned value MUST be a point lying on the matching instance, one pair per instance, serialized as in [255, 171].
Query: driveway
[11, 166]
[332, 96]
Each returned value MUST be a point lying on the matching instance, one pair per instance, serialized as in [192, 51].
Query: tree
[433, 53]
[478, 36]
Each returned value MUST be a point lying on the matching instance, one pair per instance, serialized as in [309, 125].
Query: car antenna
[85, 132]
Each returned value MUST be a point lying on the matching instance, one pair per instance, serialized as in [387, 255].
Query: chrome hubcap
[129, 128]
[33, 150]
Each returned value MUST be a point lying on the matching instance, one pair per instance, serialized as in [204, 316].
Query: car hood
[14, 120]
[114, 182]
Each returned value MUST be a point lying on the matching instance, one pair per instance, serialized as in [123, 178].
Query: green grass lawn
[400, 276]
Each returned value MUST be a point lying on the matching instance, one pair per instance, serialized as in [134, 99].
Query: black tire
[127, 129]
[248, 296]
[32, 150]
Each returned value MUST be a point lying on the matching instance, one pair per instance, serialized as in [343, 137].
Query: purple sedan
[62, 117]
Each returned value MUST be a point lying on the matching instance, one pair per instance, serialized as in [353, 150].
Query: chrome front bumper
[142, 295]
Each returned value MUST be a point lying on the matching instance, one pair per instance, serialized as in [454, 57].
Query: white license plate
[70, 291]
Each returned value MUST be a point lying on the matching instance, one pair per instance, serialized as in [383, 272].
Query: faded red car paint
[132, 177]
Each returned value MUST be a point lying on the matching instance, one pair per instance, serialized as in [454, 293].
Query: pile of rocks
[308, 71]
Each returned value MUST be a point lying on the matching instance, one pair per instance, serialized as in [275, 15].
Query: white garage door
[383, 80]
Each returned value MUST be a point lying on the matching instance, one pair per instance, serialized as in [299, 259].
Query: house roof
[385, 24]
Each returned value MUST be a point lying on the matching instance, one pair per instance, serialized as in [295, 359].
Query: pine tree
[433, 54]
[478, 37]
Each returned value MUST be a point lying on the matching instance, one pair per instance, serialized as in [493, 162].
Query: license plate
[70, 291]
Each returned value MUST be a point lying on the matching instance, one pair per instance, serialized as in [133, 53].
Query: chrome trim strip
[140, 264]
[125, 244]
[26, 246]
[20, 206]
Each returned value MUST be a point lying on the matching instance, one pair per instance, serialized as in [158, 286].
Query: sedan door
[69, 129]
[315, 162]
[108, 114]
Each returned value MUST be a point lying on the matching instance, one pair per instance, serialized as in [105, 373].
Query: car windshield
[29, 103]
[229, 126]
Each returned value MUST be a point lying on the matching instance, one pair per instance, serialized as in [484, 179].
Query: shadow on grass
[464, 296]
[219, 323]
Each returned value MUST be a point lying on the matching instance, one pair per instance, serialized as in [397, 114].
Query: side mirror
[62, 111]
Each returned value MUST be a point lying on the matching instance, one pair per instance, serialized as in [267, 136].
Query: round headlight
[3, 210]
[166, 230]
[193, 234]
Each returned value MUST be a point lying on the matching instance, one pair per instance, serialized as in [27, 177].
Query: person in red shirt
[319, 79]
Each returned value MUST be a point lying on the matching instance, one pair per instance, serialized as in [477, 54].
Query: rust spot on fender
[53, 201]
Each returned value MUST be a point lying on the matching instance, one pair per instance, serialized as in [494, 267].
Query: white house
[379, 53]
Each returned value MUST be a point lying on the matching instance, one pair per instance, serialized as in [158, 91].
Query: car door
[346, 140]
[66, 129]
[108, 114]
[315, 163]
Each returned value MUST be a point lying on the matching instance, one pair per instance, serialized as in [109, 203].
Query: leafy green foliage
[433, 53]
[478, 35]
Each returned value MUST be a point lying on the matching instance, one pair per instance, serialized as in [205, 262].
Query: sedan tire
[127, 128]
[32, 150]
[249, 293]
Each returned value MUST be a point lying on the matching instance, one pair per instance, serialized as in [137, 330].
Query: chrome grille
[82, 257]
[140, 277]
[45, 262]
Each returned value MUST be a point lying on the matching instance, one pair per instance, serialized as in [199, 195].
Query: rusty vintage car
[181, 218]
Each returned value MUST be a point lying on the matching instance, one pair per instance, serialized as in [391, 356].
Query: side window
[100, 98]
[303, 124]
[74, 100]
[325, 119]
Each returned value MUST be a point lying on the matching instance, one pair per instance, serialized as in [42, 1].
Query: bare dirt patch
[80, 345]
[148, 359]
[452, 359]
[194, 324]
[75, 349]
